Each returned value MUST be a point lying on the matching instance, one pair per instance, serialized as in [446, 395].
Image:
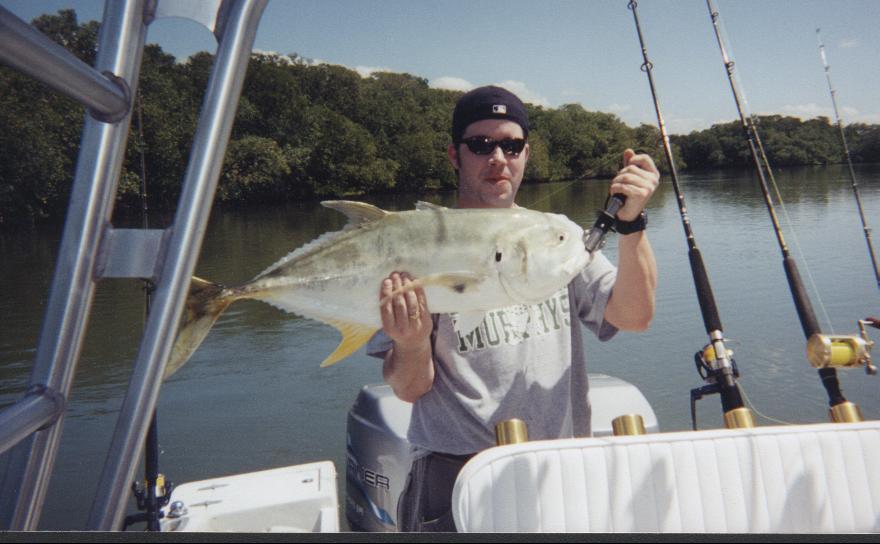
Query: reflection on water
[253, 396]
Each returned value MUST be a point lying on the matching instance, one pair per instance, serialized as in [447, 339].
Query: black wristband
[629, 227]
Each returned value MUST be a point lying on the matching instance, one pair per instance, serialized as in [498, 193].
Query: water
[253, 396]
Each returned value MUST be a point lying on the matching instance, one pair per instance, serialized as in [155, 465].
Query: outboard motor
[378, 459]
[378, 456]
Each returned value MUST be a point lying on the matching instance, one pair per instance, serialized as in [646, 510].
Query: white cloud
[524, 93]
[518, 88]
[869, 118]
[849, 111]
[367, 71]
[451, 84]
[849, 44]
[806, 111]
[619, 108]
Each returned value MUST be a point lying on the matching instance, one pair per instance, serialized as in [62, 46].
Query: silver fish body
[469, 261]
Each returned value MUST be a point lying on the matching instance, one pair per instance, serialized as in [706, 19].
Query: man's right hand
[405, 316]
[409, 365]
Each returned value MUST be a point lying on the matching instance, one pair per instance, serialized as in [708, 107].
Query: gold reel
[841, 351]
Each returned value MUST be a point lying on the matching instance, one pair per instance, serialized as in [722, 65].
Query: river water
[253, 397]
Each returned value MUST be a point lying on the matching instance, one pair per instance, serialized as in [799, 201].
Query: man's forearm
[409, 370]
[631, 306]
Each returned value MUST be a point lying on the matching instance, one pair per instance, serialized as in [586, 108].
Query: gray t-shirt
[524, 361]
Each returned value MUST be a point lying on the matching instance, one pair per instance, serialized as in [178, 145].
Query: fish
[468, 261]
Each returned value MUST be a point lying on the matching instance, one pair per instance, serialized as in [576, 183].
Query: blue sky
[587, 52]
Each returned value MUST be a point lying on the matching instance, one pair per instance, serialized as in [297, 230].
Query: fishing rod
[825, 352]
[852, 172]
[714, 362]
[155, 492]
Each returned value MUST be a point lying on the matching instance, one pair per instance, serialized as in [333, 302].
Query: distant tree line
[306, 131]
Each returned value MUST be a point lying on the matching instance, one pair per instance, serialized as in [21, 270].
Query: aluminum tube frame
[102, 151]
[25, 417]
[203, 172]
[29, 51]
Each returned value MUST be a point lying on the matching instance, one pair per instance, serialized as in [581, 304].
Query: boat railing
[92, 249]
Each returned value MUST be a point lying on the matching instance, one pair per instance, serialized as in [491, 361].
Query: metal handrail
[203, 172]
[28, 50]
[87, 246]
[102, 151]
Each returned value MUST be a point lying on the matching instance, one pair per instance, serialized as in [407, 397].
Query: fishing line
[714, 361]
[532, 205]
[852, 172]
[825, 352]
[755, 409]
[747, 111]
[797, 244]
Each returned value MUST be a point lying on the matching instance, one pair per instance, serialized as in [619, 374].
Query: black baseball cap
[488, 102]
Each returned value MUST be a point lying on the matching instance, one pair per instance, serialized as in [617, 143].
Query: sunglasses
[483, 145]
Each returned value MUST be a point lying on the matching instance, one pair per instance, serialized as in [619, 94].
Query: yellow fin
[353, 337]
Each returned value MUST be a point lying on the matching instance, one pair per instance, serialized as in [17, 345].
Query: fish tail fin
[204, 303]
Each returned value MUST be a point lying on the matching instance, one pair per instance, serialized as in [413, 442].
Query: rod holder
[511, 431]
[739, 418]
[628, 425]
[846, 412]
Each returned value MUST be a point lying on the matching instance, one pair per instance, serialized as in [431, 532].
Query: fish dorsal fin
[358, 213]
[422, 205]
[354, 336]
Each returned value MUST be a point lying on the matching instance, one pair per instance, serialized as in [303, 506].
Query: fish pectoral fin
[358, 213]
[464, 323]
[353, 337]
[460, 282]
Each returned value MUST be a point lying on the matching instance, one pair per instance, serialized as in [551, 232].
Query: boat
[804, 478]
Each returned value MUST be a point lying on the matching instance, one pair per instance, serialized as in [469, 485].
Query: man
[460, 390]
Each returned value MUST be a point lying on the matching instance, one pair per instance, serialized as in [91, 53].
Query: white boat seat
[797, 479]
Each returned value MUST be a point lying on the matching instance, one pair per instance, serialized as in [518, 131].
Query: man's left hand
[637, 180]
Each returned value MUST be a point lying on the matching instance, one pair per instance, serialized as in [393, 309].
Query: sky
[557, 52]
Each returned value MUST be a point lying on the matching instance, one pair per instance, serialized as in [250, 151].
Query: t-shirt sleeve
[592, 289]
[379, 345]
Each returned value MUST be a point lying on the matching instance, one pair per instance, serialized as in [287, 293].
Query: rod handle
[711, 319]
[593, 240]
[805, 311]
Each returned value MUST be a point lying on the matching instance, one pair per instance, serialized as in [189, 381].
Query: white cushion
[804, 478]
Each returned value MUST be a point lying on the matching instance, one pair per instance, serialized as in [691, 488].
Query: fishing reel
[162, 493]
[709, 367]
[841, 351]
[720, 374]
[707, 363]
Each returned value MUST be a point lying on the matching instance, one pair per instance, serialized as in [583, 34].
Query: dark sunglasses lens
[512, 147]
[485, 146]
[480, 146]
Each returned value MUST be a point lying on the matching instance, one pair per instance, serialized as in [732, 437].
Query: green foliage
[254, 168]
[315, 131]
